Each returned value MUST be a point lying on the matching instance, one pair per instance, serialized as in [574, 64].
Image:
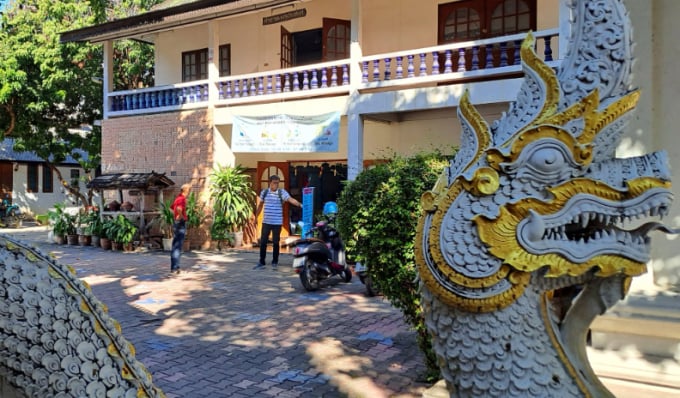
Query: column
[213, 62]
[355, 144]
[355, 47]
[107, 79]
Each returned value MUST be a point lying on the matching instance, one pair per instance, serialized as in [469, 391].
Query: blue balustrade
[400, 67]
[305, 80]
[334, 76]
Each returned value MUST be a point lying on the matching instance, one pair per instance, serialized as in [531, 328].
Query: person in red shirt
[179, 208]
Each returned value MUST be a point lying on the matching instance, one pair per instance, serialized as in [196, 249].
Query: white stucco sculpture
[534, 209]
[56, 338]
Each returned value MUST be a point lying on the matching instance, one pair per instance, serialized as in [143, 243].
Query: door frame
[264, 170]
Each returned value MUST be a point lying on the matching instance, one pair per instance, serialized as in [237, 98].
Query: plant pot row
[93, 240]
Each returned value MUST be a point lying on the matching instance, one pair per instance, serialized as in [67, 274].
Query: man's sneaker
[275, 266]
[259, 266]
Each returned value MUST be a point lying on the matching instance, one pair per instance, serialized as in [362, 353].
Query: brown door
[6, 180]
[264, 171]
[287, 52]
[336, 38]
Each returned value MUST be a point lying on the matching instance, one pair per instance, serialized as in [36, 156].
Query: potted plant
[219, 232]
[96, 228]
[166, 218]
[84, 226]
[124, 232]
[195, 216]
[58, 219]
[108, 232]
[71, 228]
[233, 198]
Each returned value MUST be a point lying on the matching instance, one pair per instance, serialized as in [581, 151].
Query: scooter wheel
[308, 279]
[347, 275]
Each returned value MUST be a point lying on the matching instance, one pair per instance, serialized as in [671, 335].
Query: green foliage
[49, 88]
[62, 223]
[167, 218]
[195, 213]
[123, 230]
[378, 219]
[233, 196]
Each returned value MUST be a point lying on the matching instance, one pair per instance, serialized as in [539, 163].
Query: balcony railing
[490, 58]
[303, 81]
[486, 59]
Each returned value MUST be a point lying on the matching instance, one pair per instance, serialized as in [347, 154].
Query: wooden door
[336, 39]
[287, 50]
[264, 171]
[6, 180]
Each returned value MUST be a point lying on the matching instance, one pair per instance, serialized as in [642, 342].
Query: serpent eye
[548, 160]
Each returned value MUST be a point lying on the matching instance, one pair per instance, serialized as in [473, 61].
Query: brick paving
[222, 329]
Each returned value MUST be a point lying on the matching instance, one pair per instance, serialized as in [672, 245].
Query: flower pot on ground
[62, 223]
[220, 235]
[124, 231]
[105, 243]
[96, 241]
[233, 199]
[72, 239]
[107, 232]
[84, 240]
[166, 220]
[195, 217]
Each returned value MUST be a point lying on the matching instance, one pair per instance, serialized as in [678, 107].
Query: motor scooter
[10, 214]
[321, 254]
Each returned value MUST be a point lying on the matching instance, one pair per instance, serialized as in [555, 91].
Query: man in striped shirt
[271, 200]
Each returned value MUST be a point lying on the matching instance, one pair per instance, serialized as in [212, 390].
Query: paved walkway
[221, 329]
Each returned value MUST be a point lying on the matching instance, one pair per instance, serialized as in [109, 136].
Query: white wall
[34, 203]
[657, 119]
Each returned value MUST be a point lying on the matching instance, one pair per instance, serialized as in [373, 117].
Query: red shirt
[180, 202]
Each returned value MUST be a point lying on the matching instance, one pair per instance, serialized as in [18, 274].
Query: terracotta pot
[72, 239]
[60, 240]
[95, 241]
[105, 243]
[84, 240]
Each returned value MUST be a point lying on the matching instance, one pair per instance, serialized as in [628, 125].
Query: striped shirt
[273, 206]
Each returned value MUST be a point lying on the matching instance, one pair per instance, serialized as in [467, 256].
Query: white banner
[286, 133]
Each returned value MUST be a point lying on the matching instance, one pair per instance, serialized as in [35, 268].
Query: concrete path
[222, 329]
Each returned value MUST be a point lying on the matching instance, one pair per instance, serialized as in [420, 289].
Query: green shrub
[379, 213]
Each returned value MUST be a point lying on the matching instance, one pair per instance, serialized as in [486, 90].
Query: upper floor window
[32, 178]
[481, 19]
[225, 60]
[195, 65]
[47, 179]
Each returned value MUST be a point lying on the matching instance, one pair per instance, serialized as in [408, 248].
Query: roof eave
[154, 21]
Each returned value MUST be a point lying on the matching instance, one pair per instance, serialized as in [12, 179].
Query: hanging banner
[286, 133]
[307, 211]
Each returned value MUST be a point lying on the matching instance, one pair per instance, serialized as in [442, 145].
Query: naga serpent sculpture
[56, 339]
[529, 215]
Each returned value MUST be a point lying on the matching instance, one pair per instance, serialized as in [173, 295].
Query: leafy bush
[379, 213]
[233, 196]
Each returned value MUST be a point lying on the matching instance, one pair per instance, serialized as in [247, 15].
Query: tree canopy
[48, 89]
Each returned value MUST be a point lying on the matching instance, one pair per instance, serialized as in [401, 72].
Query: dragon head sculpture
[534, 206]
